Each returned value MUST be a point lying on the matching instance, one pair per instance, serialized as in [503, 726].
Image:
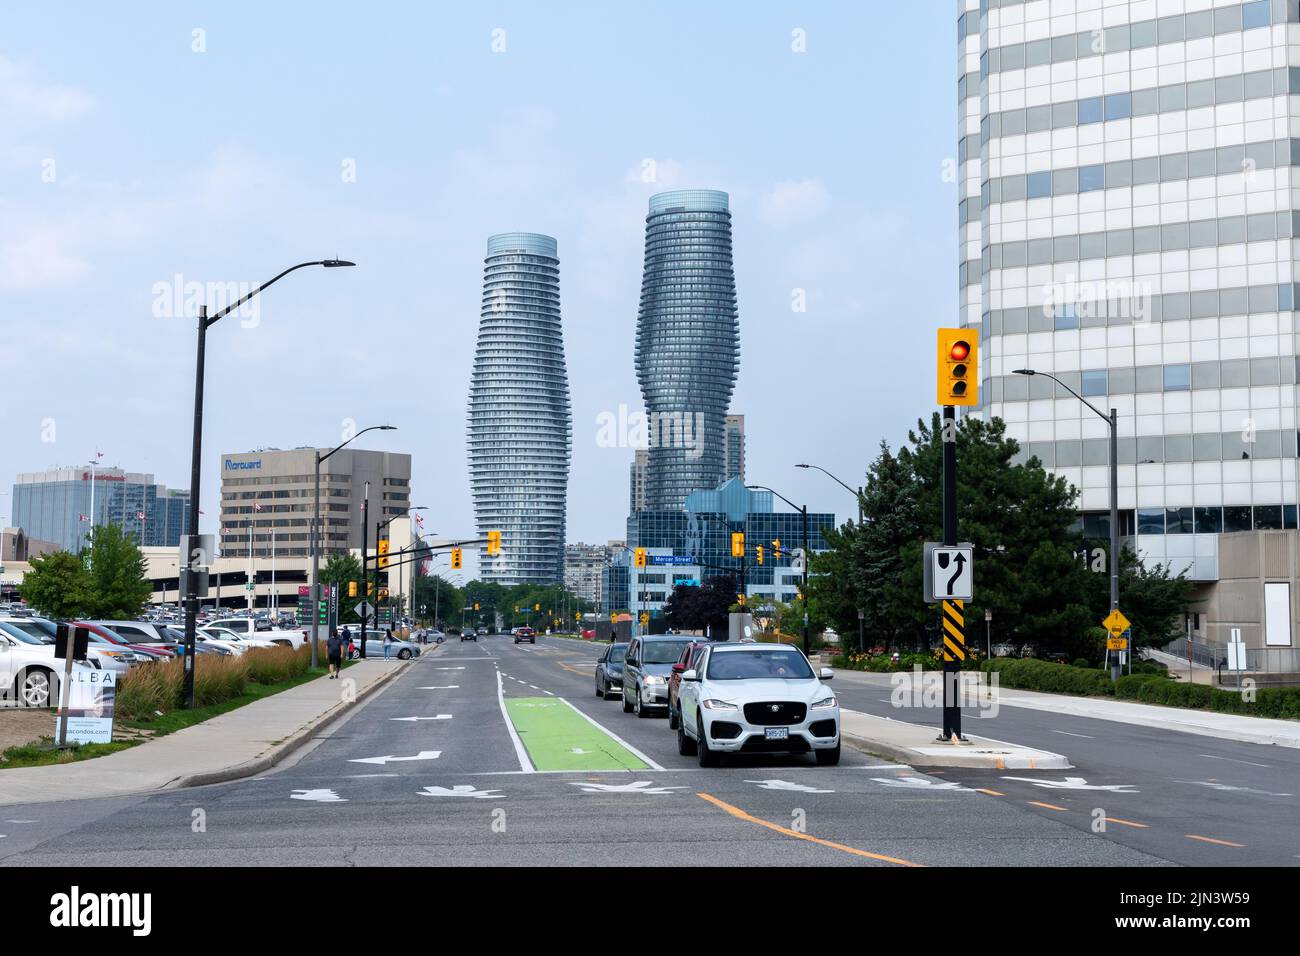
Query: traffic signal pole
[365, 577]
[951, 666]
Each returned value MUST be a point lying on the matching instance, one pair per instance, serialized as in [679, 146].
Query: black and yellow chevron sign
[954, 631]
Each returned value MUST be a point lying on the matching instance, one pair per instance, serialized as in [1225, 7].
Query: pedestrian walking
[334, 649]
[388, 640]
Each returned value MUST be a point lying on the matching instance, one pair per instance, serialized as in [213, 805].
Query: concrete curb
[992, 756]
[286, 747]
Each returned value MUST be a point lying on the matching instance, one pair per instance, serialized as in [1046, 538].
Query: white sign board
[1277, 614]
[90, 706]
[949, 572]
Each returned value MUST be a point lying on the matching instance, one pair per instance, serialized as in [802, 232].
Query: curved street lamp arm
[854, 491]
[270, 282]
[1099, 412]
[356, 436]
[778, 494]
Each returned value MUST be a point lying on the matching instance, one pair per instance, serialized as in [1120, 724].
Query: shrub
[1081, 662]
[274, 665]
[1031, 674]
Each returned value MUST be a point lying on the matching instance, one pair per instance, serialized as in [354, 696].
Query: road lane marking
[605, 730]
[991, 793]
[1127, 823]
[1049, 806]
[638, 786]
[413, 719]
[740, 814]
[551, 729]
[461, 790]
[525, 765]
[1235, 760]
[317, 796]
[368, 776]
[1068, 734]
[440, 687]
[1205, 839]
[787, 785]
[389, 758]
[1075, 783]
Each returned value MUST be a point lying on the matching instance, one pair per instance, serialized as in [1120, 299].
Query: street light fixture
[379, 526]
[1113, 421]
[196, 456]
[804, 590]
[315, 535]
[859, 493]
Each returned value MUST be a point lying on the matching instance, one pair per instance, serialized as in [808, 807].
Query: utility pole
[365, 577]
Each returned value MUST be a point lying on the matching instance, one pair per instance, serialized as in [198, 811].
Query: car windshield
[617, 653]
[759, 665]
[18, 632]
[662, 652]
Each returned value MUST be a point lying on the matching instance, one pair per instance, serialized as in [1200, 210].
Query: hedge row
[149, 688]
[885, 663]
[1030, 674]
[1278, 702]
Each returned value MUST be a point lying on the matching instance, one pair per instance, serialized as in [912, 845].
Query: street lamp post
[196, 458]
[803, 509]
[1112, 420]
[859, 493]
[315, 536]
[379, 527]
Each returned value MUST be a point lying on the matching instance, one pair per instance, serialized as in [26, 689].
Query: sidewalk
[243, 742]
[916, 746]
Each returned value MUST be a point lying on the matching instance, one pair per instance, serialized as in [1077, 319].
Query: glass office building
[520, 423]
[694, 544]
[688, 342]
[56, 506]
[1127, 223]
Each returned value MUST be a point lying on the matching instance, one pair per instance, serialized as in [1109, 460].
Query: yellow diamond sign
[1116, 623]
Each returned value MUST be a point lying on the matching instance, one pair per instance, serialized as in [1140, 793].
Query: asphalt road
[1186, 798]
[548, 786]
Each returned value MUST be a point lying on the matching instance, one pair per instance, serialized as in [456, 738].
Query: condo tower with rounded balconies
[687, 343]
[520, 423]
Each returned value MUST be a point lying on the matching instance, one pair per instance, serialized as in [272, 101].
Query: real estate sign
[91, 695]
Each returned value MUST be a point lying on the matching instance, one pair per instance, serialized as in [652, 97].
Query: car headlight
[718, 705]
[653, 679]
[824, 702]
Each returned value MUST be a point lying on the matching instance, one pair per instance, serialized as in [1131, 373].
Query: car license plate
[778, 733]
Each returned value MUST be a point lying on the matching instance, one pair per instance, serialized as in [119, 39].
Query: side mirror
[690, 675]
[827, 673]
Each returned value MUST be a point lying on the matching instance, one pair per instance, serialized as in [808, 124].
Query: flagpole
[92, 509]
[252, 592]
[275, 599]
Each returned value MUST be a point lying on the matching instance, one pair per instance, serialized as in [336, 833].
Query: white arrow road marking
[1227, 786]
[319, 796]
[1076, 783]
[449, 668]
[786, 785]
[920, 783]
[441, 687]
[422, 755]
[461, 790]
[578, 750]
[439, 717]
[641, 786]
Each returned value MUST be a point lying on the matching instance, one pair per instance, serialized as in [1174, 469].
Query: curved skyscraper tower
[520, 424]
[687, 343]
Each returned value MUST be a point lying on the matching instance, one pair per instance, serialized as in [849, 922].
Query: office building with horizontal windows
[1127, 219]
[271, 494]
[61, 504]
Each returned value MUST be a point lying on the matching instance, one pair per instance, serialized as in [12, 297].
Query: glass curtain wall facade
[520, 422]
[56, 506]
[1126, 219]
[688, 342]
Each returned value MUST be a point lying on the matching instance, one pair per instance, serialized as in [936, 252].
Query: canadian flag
[139, 515]
[419, 521]
[256, 506]
[223, 531]
[83, 517]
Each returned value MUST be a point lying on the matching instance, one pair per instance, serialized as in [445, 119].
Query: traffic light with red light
[958, 367]
[639, 560]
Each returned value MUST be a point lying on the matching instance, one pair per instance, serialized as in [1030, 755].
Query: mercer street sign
[949, 572]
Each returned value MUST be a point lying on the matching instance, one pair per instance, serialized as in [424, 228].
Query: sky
[149, 147]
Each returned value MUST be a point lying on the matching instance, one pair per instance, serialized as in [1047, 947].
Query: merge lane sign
[949, 572]
[1116, 623]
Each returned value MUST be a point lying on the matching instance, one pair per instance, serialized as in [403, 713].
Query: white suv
[29, 671]
[757, 698]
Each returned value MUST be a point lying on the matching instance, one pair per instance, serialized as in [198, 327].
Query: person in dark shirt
[334, 648]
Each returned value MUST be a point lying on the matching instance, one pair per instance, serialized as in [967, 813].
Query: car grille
[776, 712]
[760, 745]
[724, 730]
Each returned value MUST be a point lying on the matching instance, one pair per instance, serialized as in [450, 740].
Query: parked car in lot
[690, 657]
[525, 634]
[757, 698]
[649, 664]
[235, 640]
[100, 634]
[38, 630]
[29, 671]
[247, 626]
[609, 670]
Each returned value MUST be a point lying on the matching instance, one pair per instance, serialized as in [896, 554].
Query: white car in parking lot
[757, 698]
[29, 671]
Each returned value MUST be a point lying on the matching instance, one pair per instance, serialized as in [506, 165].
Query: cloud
[24, 98]
[794, 201]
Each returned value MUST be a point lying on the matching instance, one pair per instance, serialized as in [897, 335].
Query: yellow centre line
[1050, 806]
[1127, 823]
[742, 815]
[1204, 839]
[991, 793]
[575, 670]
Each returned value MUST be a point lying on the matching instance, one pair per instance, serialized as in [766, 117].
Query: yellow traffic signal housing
[476, 605]
[758, 553]
[494, 542]
[639, 560]
[958, 367]
[352, 589]
[740, 599]
[370, 588]
[383, 594]
[383, 553]
[737, 544]
[537, 607]
[455, 559]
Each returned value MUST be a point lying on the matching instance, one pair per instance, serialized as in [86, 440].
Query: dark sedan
[609, 671]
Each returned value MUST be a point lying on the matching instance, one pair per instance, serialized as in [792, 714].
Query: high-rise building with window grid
[520, 423]
[1127, 223]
